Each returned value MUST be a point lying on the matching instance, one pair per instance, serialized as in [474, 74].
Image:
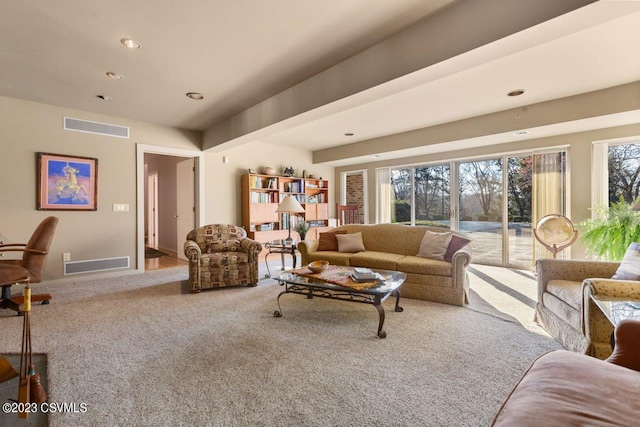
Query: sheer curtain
[549, 193]
[383, 196]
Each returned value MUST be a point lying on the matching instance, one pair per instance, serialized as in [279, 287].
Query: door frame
[365, 191]
[141, 150]
[152, 202]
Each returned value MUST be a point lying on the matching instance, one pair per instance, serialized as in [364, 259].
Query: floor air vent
[95, 127]
[95, 265]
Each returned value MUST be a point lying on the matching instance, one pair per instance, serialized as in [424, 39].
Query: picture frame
[67, 183]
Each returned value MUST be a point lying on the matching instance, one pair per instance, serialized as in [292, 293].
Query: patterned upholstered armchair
[221, 255]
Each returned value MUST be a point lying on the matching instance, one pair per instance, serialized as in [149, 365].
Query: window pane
[432, 191]
[401, 196]
[481, 208]
[520, 187]
[624, 168]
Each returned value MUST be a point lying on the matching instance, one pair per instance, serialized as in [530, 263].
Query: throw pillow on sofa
[455, 244]
[629, 268]
[327, 241]
[350, 242]
[434, 245]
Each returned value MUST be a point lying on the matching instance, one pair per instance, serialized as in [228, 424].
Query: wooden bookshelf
[261, 195]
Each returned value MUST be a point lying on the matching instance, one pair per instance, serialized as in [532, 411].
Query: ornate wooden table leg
[398, 308]
[380, 308]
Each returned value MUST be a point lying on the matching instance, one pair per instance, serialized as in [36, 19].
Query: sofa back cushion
[392, 238]
[327, 241]
[434, 245]
[350, 242]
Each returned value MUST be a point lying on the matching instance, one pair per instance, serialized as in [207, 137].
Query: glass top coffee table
[388, 284]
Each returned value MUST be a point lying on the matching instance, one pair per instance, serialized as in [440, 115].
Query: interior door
[185, 201]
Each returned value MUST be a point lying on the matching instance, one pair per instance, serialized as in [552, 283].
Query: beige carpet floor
[140, 350]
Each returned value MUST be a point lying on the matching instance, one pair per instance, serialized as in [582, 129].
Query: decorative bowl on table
[318, 266]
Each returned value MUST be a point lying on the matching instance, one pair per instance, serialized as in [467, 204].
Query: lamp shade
[289, 205]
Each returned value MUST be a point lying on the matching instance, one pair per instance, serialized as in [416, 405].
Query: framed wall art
[67, 183]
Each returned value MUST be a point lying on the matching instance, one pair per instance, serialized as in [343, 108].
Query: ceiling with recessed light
[323, 74]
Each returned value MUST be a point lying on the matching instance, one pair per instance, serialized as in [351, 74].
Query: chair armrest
[627, 351]
[6, 245]
[192, 250]
[30, 251]
[459, 263]
[306, 247]
[250, 246]
[595, 327]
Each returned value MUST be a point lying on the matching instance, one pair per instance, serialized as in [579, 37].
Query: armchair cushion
[225, 246]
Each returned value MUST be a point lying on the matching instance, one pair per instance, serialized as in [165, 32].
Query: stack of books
[360, 274]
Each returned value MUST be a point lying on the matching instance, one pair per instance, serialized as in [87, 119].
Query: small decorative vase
[302, 235]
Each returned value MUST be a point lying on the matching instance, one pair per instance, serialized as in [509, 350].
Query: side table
[617, 309]
[281, 247]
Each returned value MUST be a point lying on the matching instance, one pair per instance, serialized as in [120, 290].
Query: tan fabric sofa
[565, 308]
[562, 388]
[394, 247]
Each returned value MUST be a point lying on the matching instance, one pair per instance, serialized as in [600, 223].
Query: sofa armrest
[306, 247]
[627, 351]
[573, 270]
[459, 263]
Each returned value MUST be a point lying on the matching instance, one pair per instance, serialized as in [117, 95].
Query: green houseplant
[302, 227]
[608, 236]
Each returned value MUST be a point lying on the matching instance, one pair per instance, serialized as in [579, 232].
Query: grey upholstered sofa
[394, 247]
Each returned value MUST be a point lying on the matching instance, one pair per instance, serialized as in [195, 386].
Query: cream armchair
[221, 255]
[564, 308]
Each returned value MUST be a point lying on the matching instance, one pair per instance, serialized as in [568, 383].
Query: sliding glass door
[496, 203]
[480, 208]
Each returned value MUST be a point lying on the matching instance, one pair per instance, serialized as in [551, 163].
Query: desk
[281, 247]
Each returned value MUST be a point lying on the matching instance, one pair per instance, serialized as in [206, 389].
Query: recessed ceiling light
[521, 132]
[195, 95]
[516, 92]
[348, 134]
[104, 97]
[131, 44]
[114, 76]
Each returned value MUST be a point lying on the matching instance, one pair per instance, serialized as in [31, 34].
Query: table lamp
[289, 205]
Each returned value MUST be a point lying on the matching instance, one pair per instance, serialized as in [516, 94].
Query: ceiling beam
[456, 29]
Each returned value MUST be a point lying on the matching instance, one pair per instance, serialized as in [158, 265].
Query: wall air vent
[95, 265]
[95, 127]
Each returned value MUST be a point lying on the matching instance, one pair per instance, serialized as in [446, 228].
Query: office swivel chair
[30, 268]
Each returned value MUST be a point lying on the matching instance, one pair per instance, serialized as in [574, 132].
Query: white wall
[27, 128]
[223, 201]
